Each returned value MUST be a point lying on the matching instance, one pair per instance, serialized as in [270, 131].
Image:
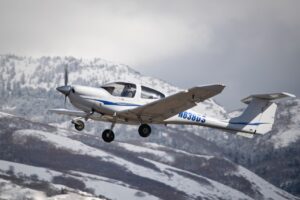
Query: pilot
[128, 91]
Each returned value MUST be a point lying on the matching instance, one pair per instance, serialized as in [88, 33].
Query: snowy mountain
[274, 156]
[35, 80]
[122, 170]
[9, 190]
[176, 162]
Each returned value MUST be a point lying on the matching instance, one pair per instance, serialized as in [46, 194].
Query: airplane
[135, 104]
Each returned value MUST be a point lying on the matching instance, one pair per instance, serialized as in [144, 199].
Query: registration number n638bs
[192, 117]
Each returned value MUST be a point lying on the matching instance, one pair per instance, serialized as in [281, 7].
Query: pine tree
[22, 79]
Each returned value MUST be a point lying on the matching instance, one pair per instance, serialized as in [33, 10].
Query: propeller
[66, 89]
[65, 101]
[66, 75]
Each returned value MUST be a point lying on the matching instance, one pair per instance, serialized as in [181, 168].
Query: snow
[72, 196]
[3, 114]
[167, 174]
[110, 188]
[213, 190]
[42, 173]
[154, 145]
[113, 189]
[177, 181]
[210, 108]
[288, 132]
[64, 143]
[138, 149]
[8, 108]
[286, 138]
[235, 113]
[9, 190]
[265, 188]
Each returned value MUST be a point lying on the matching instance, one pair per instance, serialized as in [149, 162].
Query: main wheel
[108, 135]
[144, 130]
[79, 125]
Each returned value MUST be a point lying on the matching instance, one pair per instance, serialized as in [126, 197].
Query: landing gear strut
[79, 125]
[144, 130]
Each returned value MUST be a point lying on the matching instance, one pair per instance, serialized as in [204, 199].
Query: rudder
[259, 115]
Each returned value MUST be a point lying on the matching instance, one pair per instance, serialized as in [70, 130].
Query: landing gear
[79, 125]
[108, 135]
[144, 130]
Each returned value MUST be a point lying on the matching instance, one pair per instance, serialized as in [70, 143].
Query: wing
[165, 108]
[75, 113]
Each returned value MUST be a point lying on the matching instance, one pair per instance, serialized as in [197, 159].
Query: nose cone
[66, 89]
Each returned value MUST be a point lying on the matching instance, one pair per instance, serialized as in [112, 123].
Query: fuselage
[103, 103]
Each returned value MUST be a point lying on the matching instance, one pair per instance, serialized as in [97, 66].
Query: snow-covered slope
[42, 75]
[9, 191]
[110, 188]
[287, 132]
[119, 170]
[274, 156]
[19, 181]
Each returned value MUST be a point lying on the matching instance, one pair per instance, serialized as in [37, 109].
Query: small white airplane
[132, 103]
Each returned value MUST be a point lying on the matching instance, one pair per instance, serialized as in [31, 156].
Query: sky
[250, 46]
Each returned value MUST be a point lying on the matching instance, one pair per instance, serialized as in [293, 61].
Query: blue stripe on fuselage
[110, 103]
[247, 123]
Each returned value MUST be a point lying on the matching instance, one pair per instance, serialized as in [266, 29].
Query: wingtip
[213, 85]
[221, 86]
[217, 87]
[289, 95]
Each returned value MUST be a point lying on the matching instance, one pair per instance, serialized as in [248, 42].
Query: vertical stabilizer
[259, 115]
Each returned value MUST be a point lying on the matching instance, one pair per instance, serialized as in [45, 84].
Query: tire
[144, 130]
[79, 125]
[108, 135]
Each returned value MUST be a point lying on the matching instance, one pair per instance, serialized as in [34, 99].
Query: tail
[259, 116]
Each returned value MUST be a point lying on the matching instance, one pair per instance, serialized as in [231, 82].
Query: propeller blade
[66, 75]
[65, 100]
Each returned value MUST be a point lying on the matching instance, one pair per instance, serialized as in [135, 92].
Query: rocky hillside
[35, 153]
[274, 156]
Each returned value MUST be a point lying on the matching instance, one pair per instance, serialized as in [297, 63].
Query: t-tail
[259, 116]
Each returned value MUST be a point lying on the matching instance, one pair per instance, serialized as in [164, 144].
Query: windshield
[148, 93]
[121, 89]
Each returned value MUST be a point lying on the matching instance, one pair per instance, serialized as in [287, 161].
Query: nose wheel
[144, 130]
[79, 125]
[108, 135]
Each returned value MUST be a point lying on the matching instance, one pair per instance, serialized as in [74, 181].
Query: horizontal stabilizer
[267, 97]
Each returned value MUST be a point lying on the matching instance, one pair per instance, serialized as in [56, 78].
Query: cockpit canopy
[149, 93]
[123, 89]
